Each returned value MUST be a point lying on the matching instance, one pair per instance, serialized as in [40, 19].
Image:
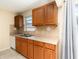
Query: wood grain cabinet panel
[24, 47]
[45, 15]
[38, 16]
[30, 41]
[30, 49]
[21, 46]
[18, 21]
[38, 52]
[37, 43]
[55, 15]
[49, 15]
[50, 46]
[49, 54]
[18, 45]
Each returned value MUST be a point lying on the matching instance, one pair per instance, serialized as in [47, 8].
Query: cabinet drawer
[21, 39]
[30, 41]
[24, 40]
[50, 46]
[18, 38]
[39, 43]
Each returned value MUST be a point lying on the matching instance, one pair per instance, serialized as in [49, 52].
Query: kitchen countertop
[41, 39]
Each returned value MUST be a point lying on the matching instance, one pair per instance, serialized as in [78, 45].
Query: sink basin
[26, 35]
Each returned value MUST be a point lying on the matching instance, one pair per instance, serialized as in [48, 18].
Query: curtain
[70, 31]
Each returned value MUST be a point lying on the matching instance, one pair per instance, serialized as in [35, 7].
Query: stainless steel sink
[26, 35]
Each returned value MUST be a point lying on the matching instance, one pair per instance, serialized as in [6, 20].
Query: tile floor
[11, 54]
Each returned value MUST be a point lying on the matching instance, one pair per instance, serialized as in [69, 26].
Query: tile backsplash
[46, 32]
[43, 31]
[12, 30]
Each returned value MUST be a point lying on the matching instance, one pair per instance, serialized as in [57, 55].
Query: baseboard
[4, 49]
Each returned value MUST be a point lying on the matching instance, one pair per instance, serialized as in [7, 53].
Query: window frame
[26, 26]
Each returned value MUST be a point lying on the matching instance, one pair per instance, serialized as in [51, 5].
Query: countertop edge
[45, 40]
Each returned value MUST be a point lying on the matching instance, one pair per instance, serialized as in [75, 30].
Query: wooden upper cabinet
[50, 19]
[19, 21]
[45, 15]
[55, 15]
[38, 16]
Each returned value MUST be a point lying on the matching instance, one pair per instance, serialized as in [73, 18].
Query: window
[28, 24]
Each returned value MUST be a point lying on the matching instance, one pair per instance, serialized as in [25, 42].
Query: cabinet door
[38, 16]
[24, 50]
[21, 21]
[21, 46]
[18, 45]
[49, 14]
[30, 51]
[49, 54]
[18, 21]
[38, 52]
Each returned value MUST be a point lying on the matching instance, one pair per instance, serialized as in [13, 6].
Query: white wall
[6, 18]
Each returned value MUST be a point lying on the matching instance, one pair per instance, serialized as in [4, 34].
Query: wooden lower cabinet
[21, 46]
[35, 50]
[38, 52]
[24, 48]
[49, 54]
[30, 51]
[18, 21]
[18, 45]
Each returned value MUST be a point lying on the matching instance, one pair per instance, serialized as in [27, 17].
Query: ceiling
[20, 5]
